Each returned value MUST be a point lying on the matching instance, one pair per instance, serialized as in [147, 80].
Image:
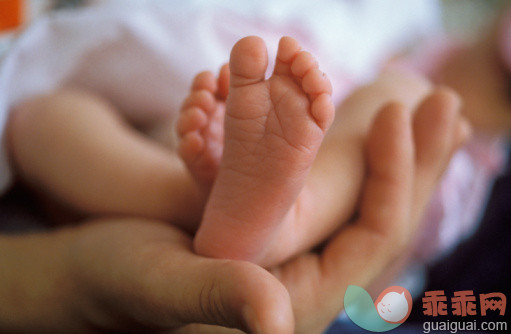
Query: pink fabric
[459, 201]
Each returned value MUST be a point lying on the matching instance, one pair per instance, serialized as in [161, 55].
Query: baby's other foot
[273, 130]
[200, 126]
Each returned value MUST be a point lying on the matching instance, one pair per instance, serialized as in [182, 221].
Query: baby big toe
[248, 61]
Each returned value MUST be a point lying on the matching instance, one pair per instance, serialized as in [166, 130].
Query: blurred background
[463, 18]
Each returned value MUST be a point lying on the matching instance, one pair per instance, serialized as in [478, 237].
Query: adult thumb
[232, 294]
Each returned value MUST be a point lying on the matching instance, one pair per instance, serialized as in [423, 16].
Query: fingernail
[251, 320]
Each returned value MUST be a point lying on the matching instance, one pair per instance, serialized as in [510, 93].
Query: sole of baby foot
[273, 130]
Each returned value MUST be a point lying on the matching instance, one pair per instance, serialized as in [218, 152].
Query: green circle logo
[387, 312]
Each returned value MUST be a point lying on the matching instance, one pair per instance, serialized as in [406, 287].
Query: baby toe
[202, 99]
[223, 82]
[205, 80]
[191, 119]
[248, 61]
[190, 146]
[315, 82]
[303, 63]
[287, 50]
[323, 111]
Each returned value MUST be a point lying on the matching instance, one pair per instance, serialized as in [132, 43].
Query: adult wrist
[35, 288]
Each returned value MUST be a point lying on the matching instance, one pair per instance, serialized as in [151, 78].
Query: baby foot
[273, 130]
[200, 126]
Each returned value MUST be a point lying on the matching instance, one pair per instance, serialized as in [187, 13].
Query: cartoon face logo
[394, 304]
[393, 307]
[387, 312]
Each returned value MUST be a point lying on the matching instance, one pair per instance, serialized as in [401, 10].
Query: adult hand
[405, 158]
[131, 275]
[139, 275]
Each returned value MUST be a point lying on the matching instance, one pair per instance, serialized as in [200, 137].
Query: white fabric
[142, 55]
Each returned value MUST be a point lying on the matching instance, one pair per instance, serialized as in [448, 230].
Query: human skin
[141, 275]
[75, 150]
[337, 172]
[273, 130]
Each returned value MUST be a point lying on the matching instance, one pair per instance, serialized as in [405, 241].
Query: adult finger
[365, 247]
[359, 252]
[439, 131]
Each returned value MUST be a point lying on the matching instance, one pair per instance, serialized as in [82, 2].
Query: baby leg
[273, 129]
[75, 148]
